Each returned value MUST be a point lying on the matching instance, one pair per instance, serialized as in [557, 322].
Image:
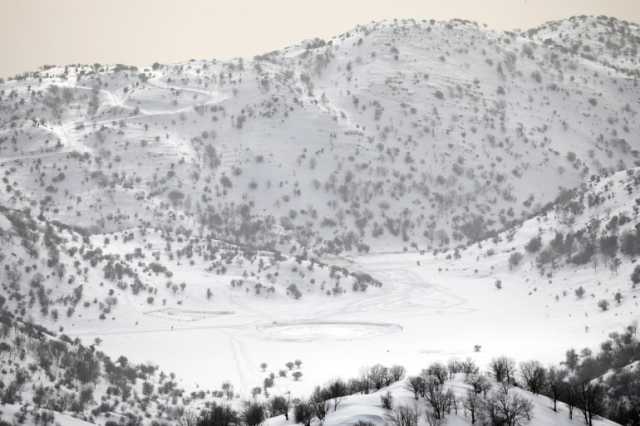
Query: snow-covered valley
[409, 321]
[407, 193]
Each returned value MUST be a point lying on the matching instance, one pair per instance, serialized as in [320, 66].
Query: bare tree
[217, 415]
[534, 376]
[503, 369]
[279, 405]
[336, 390]
[378, 375]
[505, 407]
[469, 367]
[590, 399]
[437, 399]
[397, 372]
[319, 403]
[570, 396]
[481, 384]
[253, 414]
[303, 413]
[189, 418]
[454, 366]
[555, 381]
[404, 416]
[386, 400]
[437, 370]
[227, 388]
[416, 385]
[472, 404]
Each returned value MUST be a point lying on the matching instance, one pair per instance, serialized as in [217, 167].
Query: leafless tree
[472, 404]
[505, 407]
[416, 385]
[555, 382]
[378, 375]
[534, 376]
[437, 370]
[439, 401]
[503, 369]
[397, 372]
[481, 384]
[404, 416]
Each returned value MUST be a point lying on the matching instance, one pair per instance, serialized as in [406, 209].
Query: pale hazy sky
[140, 32]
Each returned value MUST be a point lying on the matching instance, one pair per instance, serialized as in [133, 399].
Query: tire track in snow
[125, 332]
[408, 293]
[239, 354]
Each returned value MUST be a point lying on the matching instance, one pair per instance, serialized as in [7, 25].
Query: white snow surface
[440, 123]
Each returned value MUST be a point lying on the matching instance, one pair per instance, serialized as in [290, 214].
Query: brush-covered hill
[236, 200]
[607, 40]
[62, 276]
[395, 135]
[47, 380]
[576, 262]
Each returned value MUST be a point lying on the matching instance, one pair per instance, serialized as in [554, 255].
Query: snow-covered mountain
[394, 135]
[607, 40]
[331, 198]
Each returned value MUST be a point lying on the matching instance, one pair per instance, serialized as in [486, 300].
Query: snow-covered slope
[53, 273]
[368, 409]
[603, 39]
[394, 135]
[406, 191]
[49, 380]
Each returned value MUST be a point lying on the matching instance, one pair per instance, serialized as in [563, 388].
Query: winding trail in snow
[71, 143]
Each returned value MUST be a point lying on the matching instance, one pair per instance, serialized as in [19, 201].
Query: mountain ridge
[284, 90]
[333, 197]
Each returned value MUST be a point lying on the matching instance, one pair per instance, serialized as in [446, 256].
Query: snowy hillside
[405, 193]
[603, 39]
[48, 380]
[368, 409]
[395, 135]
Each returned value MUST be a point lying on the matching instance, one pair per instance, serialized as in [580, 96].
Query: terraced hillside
[403, 193]
[396, 135]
